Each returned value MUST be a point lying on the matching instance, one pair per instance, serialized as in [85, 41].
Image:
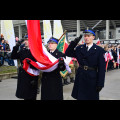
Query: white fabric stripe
[33, 72]
[51, 69]
[52, 58]
[37, 72]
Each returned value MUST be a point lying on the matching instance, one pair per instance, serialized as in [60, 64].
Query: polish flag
[82, 42]
[98, 41]
[45, 61]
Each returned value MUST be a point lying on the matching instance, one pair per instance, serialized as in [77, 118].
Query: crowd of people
[112, 56]
[5, 52]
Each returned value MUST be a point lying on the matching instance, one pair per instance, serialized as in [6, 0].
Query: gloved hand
[28, 61]
[19, 42]
[77, 40]
[98, 88]
[61, 64]
[31, 66]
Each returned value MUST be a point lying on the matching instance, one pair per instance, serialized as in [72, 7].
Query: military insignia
[95, 48]
[82, 47]
[56, 53]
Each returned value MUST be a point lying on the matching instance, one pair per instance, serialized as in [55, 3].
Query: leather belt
[88, 68]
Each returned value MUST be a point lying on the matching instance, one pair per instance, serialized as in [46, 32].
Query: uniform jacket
[26, 85]
[51, 88]
[86, 81]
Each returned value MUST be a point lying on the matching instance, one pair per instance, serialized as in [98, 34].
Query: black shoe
[63, 84]
[0, 80]
[38, 91]
[66, 82]
[72, 80]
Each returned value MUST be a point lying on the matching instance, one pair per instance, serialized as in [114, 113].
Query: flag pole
[63, 34]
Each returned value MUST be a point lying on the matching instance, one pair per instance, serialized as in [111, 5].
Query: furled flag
[47, 31]
[8, 32]
[45, 61]
[57, 29]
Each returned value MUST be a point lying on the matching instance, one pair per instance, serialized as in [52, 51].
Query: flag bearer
[51, 83]
[26, 85]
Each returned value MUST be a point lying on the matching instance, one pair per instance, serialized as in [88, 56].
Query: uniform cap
[53, 40]
[90, 31]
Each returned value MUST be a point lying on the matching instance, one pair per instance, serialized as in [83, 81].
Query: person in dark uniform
[90, 75]
[27, 85]
[51, 83]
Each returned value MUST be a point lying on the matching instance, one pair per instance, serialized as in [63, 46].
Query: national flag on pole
[62, 45]
[7, 30]
[45, 61]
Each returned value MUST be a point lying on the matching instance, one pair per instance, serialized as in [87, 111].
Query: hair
[105, 47]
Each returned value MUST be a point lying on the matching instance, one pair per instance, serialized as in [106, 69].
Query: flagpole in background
[63, 34]
[97, 24]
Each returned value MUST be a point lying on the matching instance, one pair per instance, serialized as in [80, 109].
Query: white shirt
[52, 51]
[89, 46]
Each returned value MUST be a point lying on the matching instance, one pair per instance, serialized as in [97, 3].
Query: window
[118, 31]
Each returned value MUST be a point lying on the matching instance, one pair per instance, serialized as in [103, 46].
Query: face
[2, 41]
[89, 38]
[52, 46]
[106, 48]
[7, 42]
[26, 43]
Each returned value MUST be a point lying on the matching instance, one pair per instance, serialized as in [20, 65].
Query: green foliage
[7, 69]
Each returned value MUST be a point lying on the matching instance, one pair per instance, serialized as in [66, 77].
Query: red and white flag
[98, 41]
[45, 61]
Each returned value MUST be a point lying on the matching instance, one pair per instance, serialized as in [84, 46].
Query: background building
[105, 29]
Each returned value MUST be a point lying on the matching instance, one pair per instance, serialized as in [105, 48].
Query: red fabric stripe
[25, 66]
[35, 42]
[65, 48]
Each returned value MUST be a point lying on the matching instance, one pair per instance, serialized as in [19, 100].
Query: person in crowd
[2, 51]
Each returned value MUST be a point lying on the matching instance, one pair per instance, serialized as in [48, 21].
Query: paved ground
[111, 90]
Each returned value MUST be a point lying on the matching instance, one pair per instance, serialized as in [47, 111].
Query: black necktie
[87, 48]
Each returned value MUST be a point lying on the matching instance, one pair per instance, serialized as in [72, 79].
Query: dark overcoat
[86, 81]
[51, 87]
[26, 84]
